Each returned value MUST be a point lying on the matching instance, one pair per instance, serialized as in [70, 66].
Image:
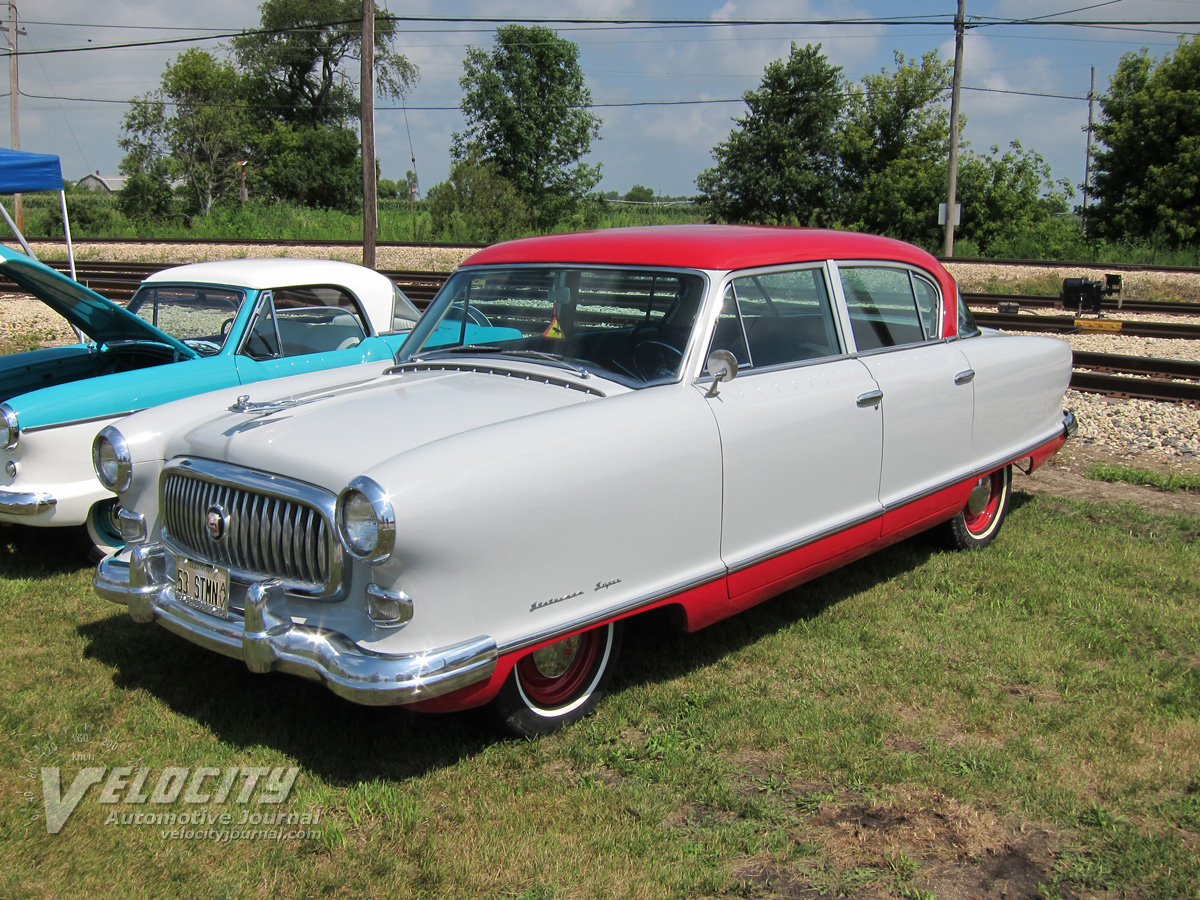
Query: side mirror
[722, 366]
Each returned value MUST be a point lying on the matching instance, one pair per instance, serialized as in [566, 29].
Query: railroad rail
[1109, 305]
[1075, 325]
[1116, 375]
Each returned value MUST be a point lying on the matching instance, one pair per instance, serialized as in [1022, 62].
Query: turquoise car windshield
[631, 325]
[199, 316]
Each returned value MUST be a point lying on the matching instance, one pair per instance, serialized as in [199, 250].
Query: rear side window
[889, 307]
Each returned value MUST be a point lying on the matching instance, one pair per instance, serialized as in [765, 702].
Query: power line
[622, 24]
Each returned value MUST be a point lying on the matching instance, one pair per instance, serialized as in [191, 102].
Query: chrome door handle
[870, 398]
[965, 377]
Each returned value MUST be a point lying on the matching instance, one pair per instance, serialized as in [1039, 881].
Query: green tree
[527, 108]
[301, 67]
[894, 147]
[1011, 206]
[477, 203]
[304, 60]
[1147, 171]
[780, 162]
[319, 167]
[640, 194]
[199, 143]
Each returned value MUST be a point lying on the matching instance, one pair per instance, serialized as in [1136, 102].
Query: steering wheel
[655, 359]
[206, 347]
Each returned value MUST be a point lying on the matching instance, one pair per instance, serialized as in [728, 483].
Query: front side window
[777, 318]
[631, 325]
[198, 316]
[297, 321]
[889, 307]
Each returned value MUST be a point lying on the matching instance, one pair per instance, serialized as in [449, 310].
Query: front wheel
[101, 533]
[560, 683]
[979, 521]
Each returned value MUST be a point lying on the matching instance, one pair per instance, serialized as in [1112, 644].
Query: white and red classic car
[581, 428]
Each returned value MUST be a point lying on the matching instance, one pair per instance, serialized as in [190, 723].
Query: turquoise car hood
[98, 317]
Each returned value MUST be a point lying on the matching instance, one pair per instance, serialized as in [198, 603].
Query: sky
[667, 95]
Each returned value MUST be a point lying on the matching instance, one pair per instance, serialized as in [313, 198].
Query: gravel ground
[1141, 433]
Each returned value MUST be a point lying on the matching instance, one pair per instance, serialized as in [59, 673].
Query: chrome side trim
[16, 503]
[610, 612]
[266, 639]
[898, 504]
[84, 421]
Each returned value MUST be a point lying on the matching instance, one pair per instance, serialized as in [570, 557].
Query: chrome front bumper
[266, 638]
[17, 503]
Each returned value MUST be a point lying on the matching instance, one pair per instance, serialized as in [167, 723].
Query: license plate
[202, 587]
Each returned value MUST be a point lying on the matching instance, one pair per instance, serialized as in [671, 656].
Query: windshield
[198, 316]
[631, 325]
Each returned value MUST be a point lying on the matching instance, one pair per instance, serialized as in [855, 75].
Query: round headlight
[10, 432]
[111, 460]
[365, 521]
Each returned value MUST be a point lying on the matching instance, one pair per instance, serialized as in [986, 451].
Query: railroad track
[1109, 305]
[1115, 375]
[1074, 325]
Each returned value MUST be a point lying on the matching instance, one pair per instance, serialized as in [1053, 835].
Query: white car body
[521, 506]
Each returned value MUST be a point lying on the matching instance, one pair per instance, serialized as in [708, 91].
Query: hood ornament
[244, 405]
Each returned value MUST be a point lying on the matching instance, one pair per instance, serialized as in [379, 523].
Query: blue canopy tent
[22, 173]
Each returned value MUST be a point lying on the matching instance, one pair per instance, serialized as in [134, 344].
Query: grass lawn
[1017, 722]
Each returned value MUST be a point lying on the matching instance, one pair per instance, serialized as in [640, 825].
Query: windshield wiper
[555, 359]
[447, 351]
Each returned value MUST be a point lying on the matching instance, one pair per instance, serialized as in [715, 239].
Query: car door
[801, 431]
[927, 397]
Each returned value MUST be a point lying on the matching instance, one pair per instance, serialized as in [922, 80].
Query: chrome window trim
[337, 584]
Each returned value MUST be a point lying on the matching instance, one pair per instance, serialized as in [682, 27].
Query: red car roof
[703, 247]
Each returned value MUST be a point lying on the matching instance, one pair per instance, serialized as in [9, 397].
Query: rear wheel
[979, 521]
[101, 533]
[560, 683]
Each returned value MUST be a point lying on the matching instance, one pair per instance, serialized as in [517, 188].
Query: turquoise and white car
[187, 330]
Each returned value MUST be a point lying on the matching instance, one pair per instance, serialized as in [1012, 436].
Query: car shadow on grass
[345, 743]
[39, 552]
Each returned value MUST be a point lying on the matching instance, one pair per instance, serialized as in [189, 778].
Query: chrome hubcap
[980, 495]
[553, 661]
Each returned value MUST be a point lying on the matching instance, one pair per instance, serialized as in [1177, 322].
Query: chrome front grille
[268, 528]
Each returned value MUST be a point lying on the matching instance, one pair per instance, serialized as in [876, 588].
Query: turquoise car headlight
[366, 524]
[111, 460]
[10, 431]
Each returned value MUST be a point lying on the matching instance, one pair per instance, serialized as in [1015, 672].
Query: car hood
[97, 317]
[328, 437]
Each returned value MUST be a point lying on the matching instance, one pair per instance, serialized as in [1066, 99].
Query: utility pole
[960, 27]
[1087, 163]
[367, 92]
[13, 93]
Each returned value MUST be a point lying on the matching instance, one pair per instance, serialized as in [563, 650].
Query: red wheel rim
[979, 521]
[579, 654]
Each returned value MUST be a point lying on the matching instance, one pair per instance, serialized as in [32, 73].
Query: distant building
[110, 184]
